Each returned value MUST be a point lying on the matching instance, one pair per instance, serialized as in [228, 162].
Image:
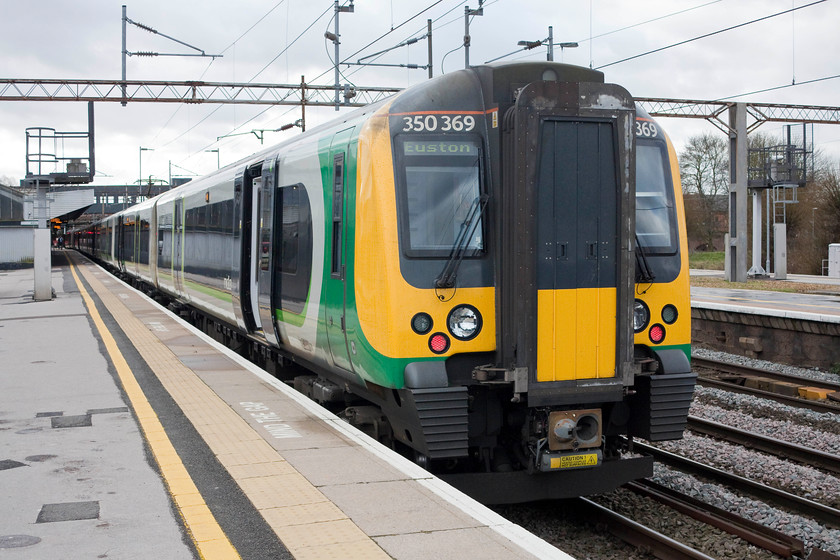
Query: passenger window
[338, 213]
[293, 257]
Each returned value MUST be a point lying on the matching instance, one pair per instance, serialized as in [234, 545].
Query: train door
[265, 276]
[241, 255]
[119, 240]
[177, 245]
[335, 286]
[256, 252]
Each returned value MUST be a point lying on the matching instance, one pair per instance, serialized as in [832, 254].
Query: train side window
[293, 269]
[337, 213]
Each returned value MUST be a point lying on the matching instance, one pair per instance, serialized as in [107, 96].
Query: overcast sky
[82, 40]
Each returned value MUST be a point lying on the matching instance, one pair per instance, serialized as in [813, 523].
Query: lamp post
[813, 219]
[571, 45]
[140, 172]
[218, 161]
[550, 44]
[140, 163]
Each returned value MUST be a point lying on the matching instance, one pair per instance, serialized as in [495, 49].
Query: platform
[125, 432]
[794, 328]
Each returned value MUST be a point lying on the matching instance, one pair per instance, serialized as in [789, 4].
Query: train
[487, 271]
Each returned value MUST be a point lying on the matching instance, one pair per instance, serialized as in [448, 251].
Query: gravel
[811, 373]
[797, 425]
[812, 533]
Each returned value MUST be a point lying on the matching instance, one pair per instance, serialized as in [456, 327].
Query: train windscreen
[656, 227]
[440, 186]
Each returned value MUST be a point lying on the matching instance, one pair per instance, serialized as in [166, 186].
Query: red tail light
[439, 343]
[657, 333]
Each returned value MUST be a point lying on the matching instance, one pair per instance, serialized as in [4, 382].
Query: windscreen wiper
[446, 279]
[644, 273]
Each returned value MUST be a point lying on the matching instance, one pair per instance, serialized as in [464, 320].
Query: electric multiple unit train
[487, 270]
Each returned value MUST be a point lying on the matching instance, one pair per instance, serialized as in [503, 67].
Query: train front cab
[553, 223]
[662, 307]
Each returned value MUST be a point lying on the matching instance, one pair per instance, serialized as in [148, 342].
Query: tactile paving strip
[275, 488]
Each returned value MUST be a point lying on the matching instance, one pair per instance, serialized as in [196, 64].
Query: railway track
[823, 513]
[750, 531]
[747, 371]
[735, 376]
[662, 545]
[638, 535]
[800, 453]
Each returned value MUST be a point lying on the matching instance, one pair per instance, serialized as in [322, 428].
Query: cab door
[577, 249]
[335, 287]
[565, 289]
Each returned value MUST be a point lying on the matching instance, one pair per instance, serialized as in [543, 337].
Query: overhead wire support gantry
[715, 111]
[197, 92]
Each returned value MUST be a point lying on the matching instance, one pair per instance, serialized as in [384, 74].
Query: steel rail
[636, 534]
[756, 372]
[821, 512]
[748, 530]
[807, 455]
[816, 406]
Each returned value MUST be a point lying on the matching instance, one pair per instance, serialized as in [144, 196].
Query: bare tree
[704, 170]
[816, 217]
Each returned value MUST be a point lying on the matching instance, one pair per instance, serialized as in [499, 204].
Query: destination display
[439, 147]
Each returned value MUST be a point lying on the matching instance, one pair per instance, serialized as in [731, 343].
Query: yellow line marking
[276, 490]
[207, 536]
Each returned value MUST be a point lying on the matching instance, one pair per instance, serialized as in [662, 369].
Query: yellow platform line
[307, 522]
[208, 537]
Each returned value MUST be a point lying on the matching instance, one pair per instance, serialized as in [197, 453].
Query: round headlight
[641, 316]
[464, 322]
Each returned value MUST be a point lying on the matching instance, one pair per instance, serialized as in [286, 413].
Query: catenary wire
[223, 51]
[211, 113]
[709, 34]
[615, 30]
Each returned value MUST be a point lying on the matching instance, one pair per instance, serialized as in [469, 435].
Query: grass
[714, 260]
[767, 285]
[710, 260]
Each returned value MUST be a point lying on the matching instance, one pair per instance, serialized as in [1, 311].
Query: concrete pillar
[42, 253]
[756, 269]
[780, 261]
[737, 269]
[41, 250]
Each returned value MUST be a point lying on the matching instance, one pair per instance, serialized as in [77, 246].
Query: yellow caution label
[574, 461]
